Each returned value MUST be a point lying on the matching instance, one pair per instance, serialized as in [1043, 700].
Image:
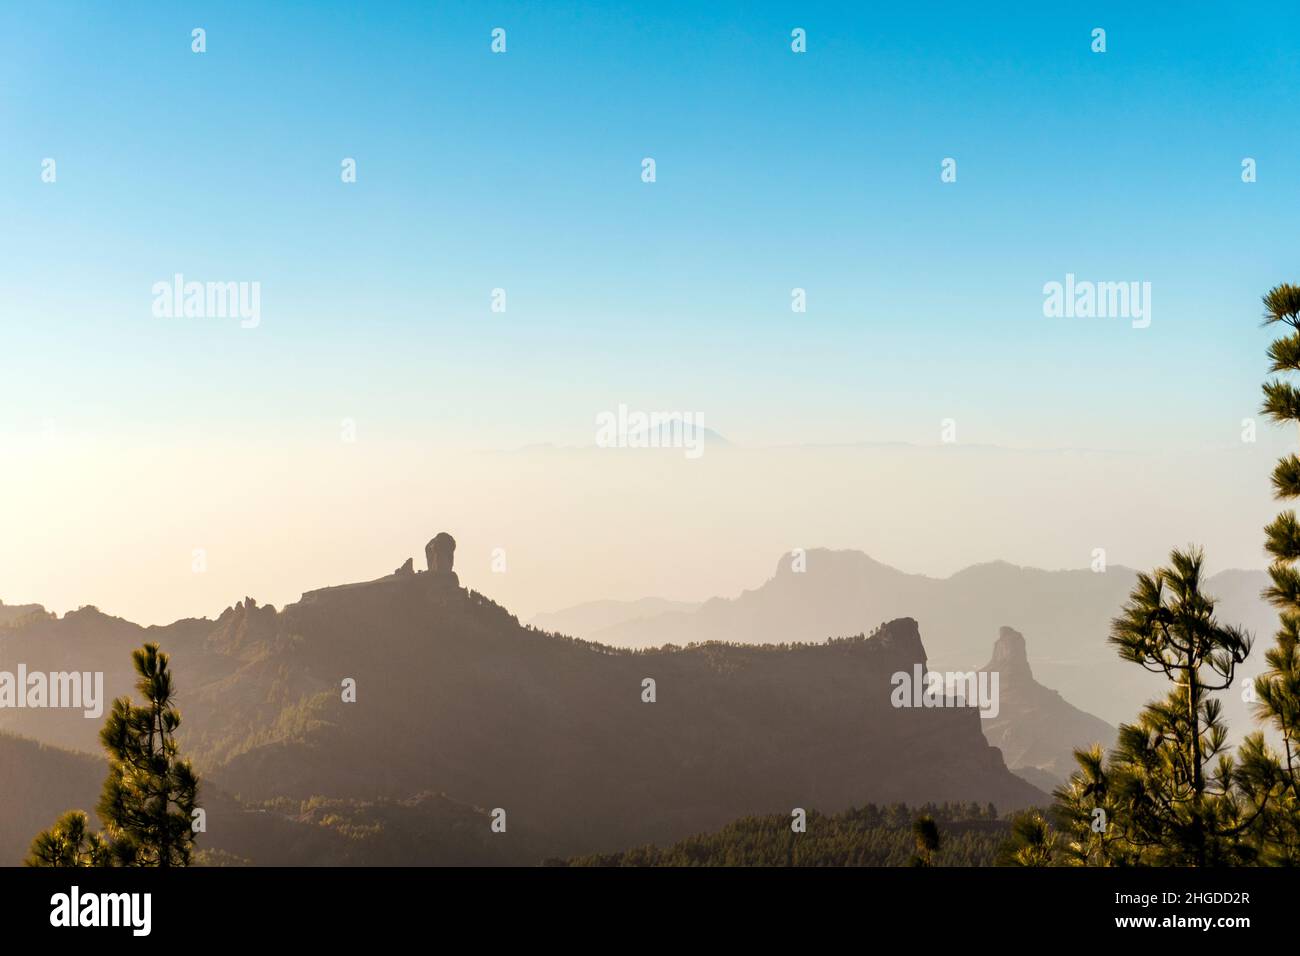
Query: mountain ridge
[455, 696]
[1068, 612]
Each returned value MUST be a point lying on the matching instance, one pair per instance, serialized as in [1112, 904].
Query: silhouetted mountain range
[454, 696]
[1067, 615]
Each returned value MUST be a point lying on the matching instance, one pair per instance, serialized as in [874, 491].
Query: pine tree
[1084, 807]
[150, 793]
[1172, 785]
[69, 842]
[1277, 690]
[1170, 793]
[1033, 842]
[1175, 794]
[926, 833]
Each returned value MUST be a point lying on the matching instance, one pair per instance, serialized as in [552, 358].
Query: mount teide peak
[454, 696]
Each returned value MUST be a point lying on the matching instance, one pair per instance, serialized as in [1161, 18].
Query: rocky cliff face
[1036, 729]
[454, 695]
[1066, 613]
[585, 747]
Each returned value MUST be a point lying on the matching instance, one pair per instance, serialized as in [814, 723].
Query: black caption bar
[152, 907]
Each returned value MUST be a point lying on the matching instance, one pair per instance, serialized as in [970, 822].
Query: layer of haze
[275, 518]
[127, 441]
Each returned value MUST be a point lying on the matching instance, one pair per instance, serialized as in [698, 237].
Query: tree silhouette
[926, 832]
[69, 842]
[1033, 842]
[1170, 793]
[1162, 793]
[1277, 690]
[1085, 806]
[150, 793]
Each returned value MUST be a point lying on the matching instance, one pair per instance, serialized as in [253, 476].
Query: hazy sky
[128, 440]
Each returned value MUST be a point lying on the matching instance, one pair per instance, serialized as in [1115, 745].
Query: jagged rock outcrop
[1066, 613]
[454, 696]
[440, 553]
[12, 613]
[1037, 729]
[557, 731]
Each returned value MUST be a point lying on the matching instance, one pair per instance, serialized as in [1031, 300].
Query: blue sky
[522, 171]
